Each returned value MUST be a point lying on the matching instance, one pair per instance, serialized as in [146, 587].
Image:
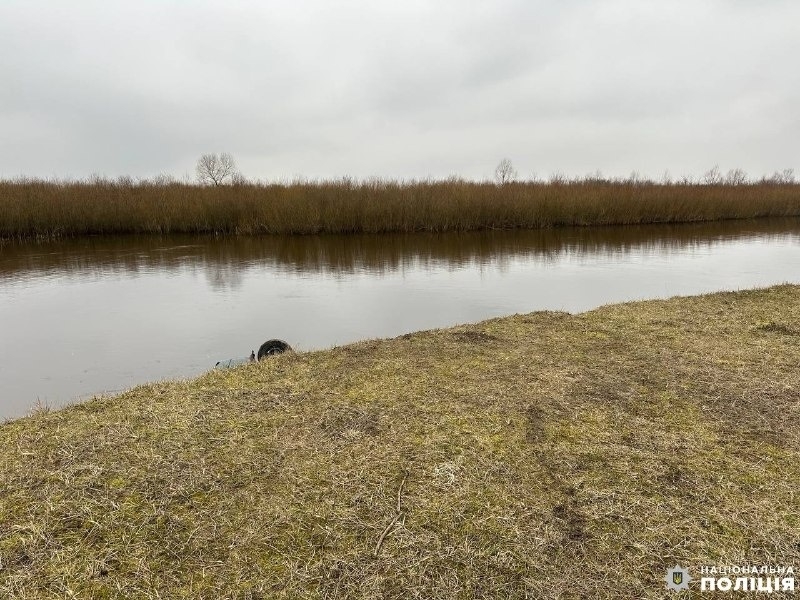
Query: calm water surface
[99, 315]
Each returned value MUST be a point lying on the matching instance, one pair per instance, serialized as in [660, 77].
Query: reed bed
[50, 209]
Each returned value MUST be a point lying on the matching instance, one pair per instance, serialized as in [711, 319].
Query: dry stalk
[397, 515]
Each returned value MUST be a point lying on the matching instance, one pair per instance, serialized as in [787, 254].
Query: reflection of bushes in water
[56, 209]
[224, 276]
[225, 257]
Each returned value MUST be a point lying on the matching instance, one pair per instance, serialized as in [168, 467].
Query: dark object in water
[271, 347]
[268, 348]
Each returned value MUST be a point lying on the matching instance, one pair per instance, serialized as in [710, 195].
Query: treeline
[39, 208]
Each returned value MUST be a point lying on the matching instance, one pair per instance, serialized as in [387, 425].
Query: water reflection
[97, 314]
[223, 257]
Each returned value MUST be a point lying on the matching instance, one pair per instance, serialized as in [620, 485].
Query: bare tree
[216, 169]
[780, 177]
[736, 177]
[505, 172]
[712, 176]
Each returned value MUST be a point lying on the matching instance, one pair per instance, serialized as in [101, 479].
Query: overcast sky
[407, 89]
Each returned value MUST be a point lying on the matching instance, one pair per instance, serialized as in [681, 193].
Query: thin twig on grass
[397, 515]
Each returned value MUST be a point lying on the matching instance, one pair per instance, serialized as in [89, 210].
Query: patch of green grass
[544, 455]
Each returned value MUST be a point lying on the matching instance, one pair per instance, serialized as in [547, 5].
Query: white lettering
[741, 584]
[724, 584]
[788, 584]
[764, 585]
[707, 583]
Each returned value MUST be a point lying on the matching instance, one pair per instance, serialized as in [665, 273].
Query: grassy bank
[30, 208]
[543, 455]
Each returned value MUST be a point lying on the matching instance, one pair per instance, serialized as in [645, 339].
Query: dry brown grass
[31, 208]
[543, 456]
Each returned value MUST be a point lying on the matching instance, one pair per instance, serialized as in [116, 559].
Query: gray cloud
[409, 89]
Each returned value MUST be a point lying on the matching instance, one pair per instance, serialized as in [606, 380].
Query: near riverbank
[44, 209]
[548, 454]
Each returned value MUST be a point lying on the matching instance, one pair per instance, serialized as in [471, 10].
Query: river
[98, 315]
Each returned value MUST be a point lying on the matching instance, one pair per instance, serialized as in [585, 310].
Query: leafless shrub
[712, 176]
[634, 178]
[596, 177]
[736, 177]
[785, 177]
[238, 179]
[163, 179]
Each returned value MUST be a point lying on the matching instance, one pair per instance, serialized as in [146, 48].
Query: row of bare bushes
[38, 208]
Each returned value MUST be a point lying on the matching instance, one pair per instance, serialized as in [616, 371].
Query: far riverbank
[43, 209]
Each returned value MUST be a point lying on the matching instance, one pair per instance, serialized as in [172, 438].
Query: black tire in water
[271, 347]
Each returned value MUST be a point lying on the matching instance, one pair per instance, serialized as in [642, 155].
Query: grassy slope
[566, 456]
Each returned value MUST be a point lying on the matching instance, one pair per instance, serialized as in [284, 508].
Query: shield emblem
[677, 577]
